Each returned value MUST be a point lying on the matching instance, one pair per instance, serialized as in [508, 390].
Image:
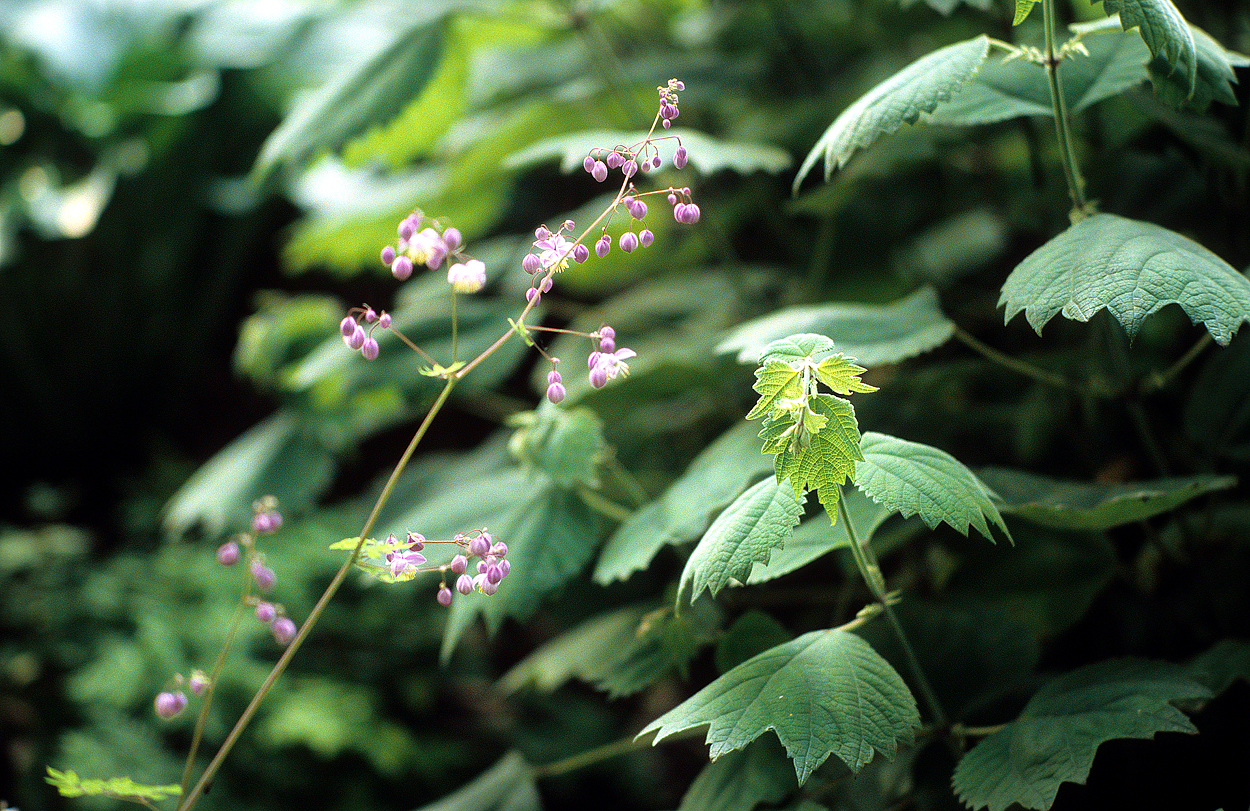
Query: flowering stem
[188, 800]
[212, 685]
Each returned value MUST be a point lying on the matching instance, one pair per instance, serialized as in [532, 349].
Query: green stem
[202, 718]
[188, 800]
[1015, 364]
[866, 561]
[1076, 184]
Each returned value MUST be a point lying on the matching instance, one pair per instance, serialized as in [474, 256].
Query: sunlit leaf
[826, 460]
[916, 479]
[1023, 7]
[899, 100]
[1058, 732]
[1131, 269]
[824, 693]
[69, 784]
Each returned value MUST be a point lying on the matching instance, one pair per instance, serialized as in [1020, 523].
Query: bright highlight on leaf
[69, 784]
[1023, 7]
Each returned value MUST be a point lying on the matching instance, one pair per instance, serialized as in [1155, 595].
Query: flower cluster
[395, 560]
[170, 703]
[359, 337]
[265, 520]
[427, 246]
[607, 361]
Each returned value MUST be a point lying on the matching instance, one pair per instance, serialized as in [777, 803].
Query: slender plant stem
[188, 800]
[1076, 184]
[1015, 364]
[200, 720]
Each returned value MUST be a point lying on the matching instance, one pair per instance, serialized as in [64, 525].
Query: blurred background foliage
[177, 247]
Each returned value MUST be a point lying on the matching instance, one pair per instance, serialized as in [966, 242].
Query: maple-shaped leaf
[842, 376]
[827, 459]
[776, 382]
[824, 693]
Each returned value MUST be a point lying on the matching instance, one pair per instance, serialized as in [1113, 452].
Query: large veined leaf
[684, 511]
[705, 153]
[1004, 90]
[899, 100]
[1213, 81]
[826, 460]
[916, 479]
[870, 333]
[1164, 31]
[1058, 732]
[1089, 505]
[744, 533]
[824, 693]
[1132, 269]
[371, 95]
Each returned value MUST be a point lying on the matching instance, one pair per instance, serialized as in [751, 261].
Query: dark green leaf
[1132, 269]
[751, 634]
[1220, 665]
[1055, 738]
[740, 780]
[1164, 31]
[826, 692]
[506, 786]
[1214, 78]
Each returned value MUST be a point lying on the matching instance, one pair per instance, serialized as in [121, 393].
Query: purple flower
[428, 248]
[458, 564]
[628, 241]
[384, 320]
[645, 238]
[479, 546]
[464, 584]
[554, 252]
[467, 277]
[263, 575]
[267, 522]
[369, 349]
[555, 388]
[452, 239]
[283, 630]
[347, 326]
[444, 596]
[580, 253]
[357, 338]
[603, 246]
[388, 255]
[607, 339]
[679, 157]
[401, 268]
[266, 612]
[599, 171]
[170, 704]
[198, 682]
[228, 553]
[531, 263]
[605, 366]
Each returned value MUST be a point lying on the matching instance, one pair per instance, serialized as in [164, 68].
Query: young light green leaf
[826, 692]
[1130, 268]
[69, 784]
[842, 376]
[871, 333]
[918, 88]
[797, 348]
[745, 532]
[1094, 506]
[916, 479]
[1164, 31]
[368, 96]
[776, 382]
[1058, 732]
[1023, 7]
[826, 460]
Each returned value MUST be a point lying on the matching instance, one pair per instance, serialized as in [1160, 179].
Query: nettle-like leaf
[899, 100]
[1094, 506]
[747, 531]
[1164, 31]
[1058, 732]
[1131, 269]
[826, 460]
[871, 333]
[372, 94]
[824, 693]
[69, 784]
[1213, 81]
[916, 479]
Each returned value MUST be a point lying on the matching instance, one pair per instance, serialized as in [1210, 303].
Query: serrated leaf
[1131, 269]
[1090, 505]
[916, 479]
[370, 95]
[1164, 31]
[1023, 7]
[741, 780]
[842, 376]
[827, 460]
[872, 334]
[705, 153]
[506, 786]
[824, 693]
[901, 99]
[745, 532]
[1004, 90]
[776, 382]
[685, 510]
[69, 784]
[1058, 732]
[1213, 80]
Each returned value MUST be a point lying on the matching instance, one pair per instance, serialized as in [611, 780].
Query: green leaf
[826, 461]
[872, 334]
[1217, 414]
[918, 88]
[750, 635]
[746, 532]
[1089, 505]
[705, 153]
[740, 780]
[1221, 664]
[1023, 7]
[1058, 732]
[506, 786]
[1132, 269]
[1004, 90]
[1164, 31]
[565, 444]
[1213, 81]
[794, 349]
[842, 376]
[70, 784]
[686, 508]
[824, 693]
[915, 479]
[776, 382]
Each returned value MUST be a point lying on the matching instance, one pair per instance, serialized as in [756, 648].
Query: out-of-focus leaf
[565, 444]
[750, 635]
[506, 786]
[1221, 664]
[1217, 414]
[1058, 732]
[1164, 31]
[1213, 81]
[1089, 505]
[69, 784]
[684, 511]
[899, 100]
[704, 152]
[370, 95]
[916, 479]
[824, 693]
[1023, 7]
[1131, 269]
[871, 334]
[741, 780]
[744, 533]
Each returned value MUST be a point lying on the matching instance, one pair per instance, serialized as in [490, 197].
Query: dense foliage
[919, 483]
